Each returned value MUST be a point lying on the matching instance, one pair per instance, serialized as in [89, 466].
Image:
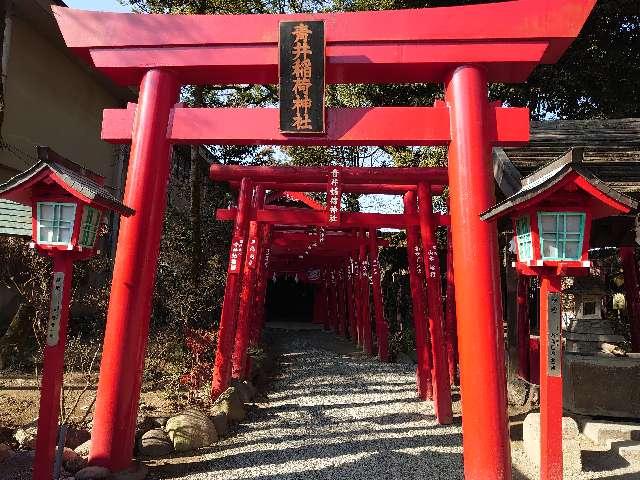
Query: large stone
[191, 429]
[83, 449]
[72, 461]
[137, 471]
[92, 473]
[571, 456]
[601, 385]
[230, 403]
[76, 437]
[26, 437]
[155, 443]
[245, 390]
[220, 420]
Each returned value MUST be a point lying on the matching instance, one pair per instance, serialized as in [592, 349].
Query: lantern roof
[556, 176]
[83, 184]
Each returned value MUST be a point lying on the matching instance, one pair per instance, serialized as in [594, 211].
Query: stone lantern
[588, 330]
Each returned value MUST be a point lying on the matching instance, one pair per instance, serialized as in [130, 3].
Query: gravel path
[331, 413]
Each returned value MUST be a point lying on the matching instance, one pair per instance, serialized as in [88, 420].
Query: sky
[104, 5]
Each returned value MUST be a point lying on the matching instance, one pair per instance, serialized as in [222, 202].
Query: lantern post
[68, 204]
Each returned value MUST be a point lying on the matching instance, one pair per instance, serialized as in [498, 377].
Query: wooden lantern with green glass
[68, 204]
[552, 214]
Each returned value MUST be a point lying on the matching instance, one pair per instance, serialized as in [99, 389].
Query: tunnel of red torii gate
[463, 47]
[345, 251]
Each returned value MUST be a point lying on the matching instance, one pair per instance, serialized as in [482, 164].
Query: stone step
[603, 327]
[591, 337]
[629, 450]
[604, 432]
[573, 346]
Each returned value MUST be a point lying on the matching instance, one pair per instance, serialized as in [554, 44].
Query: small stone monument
[588, 330]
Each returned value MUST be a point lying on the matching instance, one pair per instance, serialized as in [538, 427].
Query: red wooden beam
[299, 216]
[375, 175]
[395, 46]
[349, 188]
[345, 126]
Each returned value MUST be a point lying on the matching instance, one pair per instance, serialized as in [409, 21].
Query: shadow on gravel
[298, 436]
[375, 465]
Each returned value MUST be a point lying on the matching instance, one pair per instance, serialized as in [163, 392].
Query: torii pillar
[134, 274]
[486, 445]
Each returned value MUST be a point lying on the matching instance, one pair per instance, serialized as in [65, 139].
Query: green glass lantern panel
[523, 235]
[89, 227]
[55, 222]
[561, 235]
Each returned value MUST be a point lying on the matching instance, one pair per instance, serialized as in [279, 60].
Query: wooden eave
[553, 177]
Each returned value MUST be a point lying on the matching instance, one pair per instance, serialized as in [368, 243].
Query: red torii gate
[429, 353]
[328, 242]
[463, 47]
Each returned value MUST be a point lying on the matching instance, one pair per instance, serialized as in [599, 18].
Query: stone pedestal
[600, 385]
[571, 458]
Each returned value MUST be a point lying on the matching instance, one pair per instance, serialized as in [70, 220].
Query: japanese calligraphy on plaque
[235, 258]
[432, 254]
[334, 196]
[554, 353]
[252, 254]
[302, 65]
[55, 309]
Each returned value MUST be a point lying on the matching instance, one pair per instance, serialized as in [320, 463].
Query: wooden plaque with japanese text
[554, 349]
[302, 66]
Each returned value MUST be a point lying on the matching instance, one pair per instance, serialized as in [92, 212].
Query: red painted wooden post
[631, 286]
[486, 444]
[228, 318]
[523, 327]
[53, 368]
[134, 273]
[450, 316]
[382, 329]
[353, 311]
[333, 300]
[357, 297]
[342, 300]
[550, 378]
[326, 301]
[367, 334]
[425, 387]
[439, 364]
[247, 294]
[263, 282]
